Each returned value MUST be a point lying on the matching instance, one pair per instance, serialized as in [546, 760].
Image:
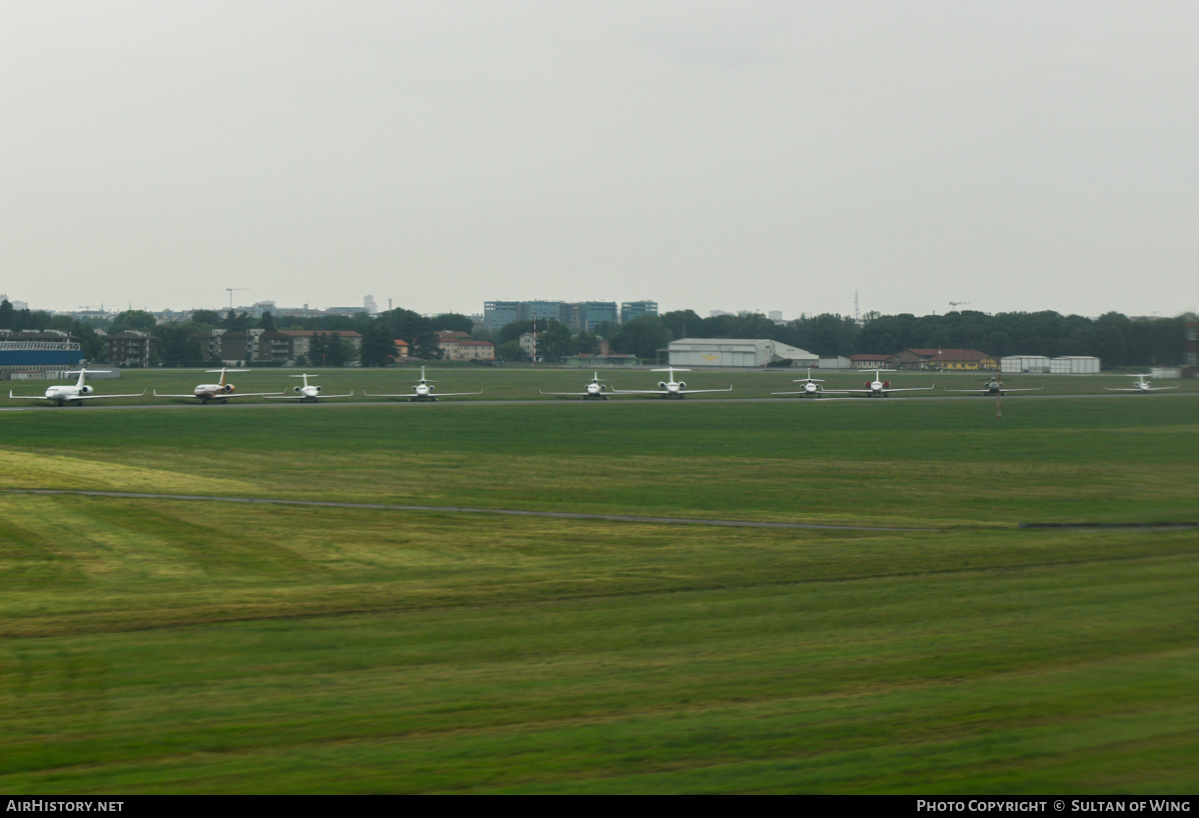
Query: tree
[682, 323]
[90, 342]
[267, 322]
[511, 351]
[555, 343]
[236, 323]
[586, 343]
[513, 331]
[132, 319]
[642, 337]
[454, 322]
[178, 346]
[378, 347]
[330, 349]
[206, 318]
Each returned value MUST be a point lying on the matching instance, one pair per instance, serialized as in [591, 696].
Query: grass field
[522, 382]
[155, 645]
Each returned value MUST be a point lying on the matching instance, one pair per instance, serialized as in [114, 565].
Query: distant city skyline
[770, 312]
[706, 154]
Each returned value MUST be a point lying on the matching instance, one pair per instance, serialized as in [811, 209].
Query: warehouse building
[1024, 363]
[736, 352]
[1074, 365]
[37, 354]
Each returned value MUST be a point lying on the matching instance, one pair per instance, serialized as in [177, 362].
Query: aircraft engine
[296, 389]
[867, 384]
[86, 390]
[682, 385]
[661, 384]
[228, 387]
[886, 384]
[318, 389]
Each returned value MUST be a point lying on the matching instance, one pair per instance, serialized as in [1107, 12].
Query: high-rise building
[635, 309]
[577, 315]
[497, 314]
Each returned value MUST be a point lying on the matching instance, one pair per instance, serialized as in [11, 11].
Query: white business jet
[811, 387]
[1140, 385]
[423, 391]
[877, 388]
[77, 394]
[594, 389]
[669, 388]
[995, 386]
[218, 391]
[308, 392]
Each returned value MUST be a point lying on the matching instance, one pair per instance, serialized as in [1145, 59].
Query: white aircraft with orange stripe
[218, 391]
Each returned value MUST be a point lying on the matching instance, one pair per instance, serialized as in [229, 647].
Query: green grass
[171, 646]
[521, 382]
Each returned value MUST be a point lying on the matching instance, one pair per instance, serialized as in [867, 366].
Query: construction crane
[956, 304]
[231, 291]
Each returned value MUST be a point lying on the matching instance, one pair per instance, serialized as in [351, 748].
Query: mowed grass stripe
[698, 679]
[171, 646]
[1094, 461]
[124, 495]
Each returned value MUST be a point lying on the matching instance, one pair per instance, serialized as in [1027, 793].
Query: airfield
[516, 593]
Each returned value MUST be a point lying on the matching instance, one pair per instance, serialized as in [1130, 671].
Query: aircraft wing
[848, 391]
[909, 389]
[1002, 391]
[664, 392]
[800, 392]
[26, 397]
[411, 396]
[96, 397]
[697, 391]
[222, 396]
[573, 394]
[174, 396]
[278, 396]
[237, 395]
[1126, 389]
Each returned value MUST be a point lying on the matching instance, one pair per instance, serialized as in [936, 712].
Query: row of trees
[1114, 338]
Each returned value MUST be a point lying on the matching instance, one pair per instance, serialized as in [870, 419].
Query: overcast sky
[770, 155]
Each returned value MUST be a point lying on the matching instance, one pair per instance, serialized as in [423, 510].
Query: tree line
[1114, 338]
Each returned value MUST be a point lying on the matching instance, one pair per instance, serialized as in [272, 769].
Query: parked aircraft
[995, 387]
[309, 392]
[1140, 385]
[877, 388]
[423, 391]
[594, 389]
[670, 388]
[78, 393]
[810, 387]
[218, 391]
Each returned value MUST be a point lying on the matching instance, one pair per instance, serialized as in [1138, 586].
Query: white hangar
[745, 352]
